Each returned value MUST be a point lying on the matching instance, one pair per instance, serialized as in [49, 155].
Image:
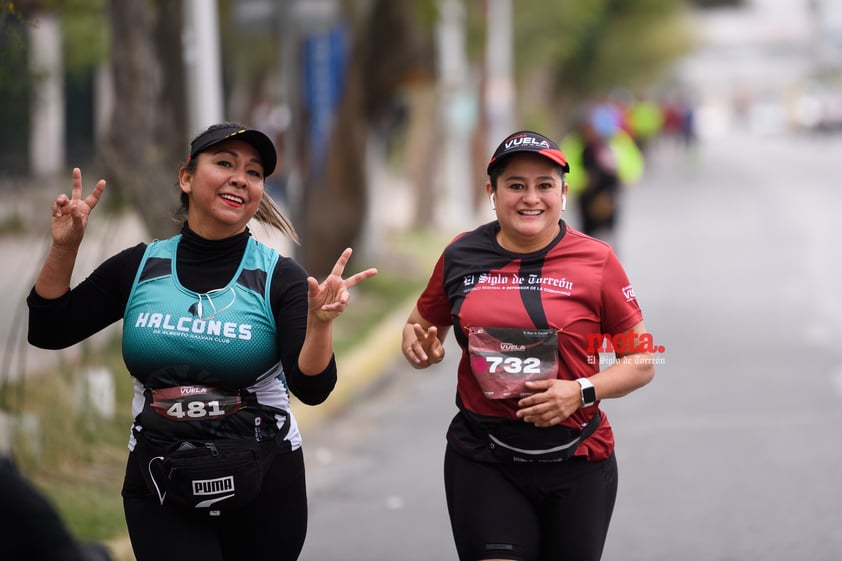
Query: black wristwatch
[587, 392]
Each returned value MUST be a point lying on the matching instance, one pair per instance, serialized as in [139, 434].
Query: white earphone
[491, 199]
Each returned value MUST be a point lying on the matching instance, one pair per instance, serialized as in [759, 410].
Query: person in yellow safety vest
[603, 158]
[646, 120]
[630, 162]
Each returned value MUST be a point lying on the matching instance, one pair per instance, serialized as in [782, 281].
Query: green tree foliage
[604, 43]
[86, 40]
[83, 24]
[704, 4]
[585, 49]
[12, 47]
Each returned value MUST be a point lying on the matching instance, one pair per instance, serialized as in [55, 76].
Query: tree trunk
[147, 139]
[334, 211]
[385, 52]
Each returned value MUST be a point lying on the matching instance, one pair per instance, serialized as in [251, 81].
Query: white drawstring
[161, 496]
[210, 301]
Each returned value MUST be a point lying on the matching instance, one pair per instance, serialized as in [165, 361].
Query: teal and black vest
[226, 337]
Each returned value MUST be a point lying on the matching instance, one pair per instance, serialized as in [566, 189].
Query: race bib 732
[504, 358]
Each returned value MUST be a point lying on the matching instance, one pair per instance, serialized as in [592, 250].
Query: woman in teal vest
[218, 329]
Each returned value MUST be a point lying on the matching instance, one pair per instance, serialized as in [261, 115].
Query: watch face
[588, 392]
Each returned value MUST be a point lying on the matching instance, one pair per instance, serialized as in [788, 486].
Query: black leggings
[272, 528]
[529, 512]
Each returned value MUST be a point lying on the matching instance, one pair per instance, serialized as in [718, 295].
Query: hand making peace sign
[70, 215]
[328, 299]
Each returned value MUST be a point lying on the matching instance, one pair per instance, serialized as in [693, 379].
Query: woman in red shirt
[530, 472]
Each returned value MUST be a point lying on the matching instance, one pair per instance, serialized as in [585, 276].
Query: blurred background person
[30, 526]
[599, 198]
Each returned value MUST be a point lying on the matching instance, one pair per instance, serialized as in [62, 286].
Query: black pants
[530, 511]
[273, 527]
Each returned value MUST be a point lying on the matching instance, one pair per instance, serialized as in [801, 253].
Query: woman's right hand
[70, 215]
[422, 347]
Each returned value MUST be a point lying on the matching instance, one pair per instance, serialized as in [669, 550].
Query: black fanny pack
[520, 442]
[517, 441]
[205, 475]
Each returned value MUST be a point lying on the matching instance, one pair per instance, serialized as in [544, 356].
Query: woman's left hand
[328, 299]
[553, 402]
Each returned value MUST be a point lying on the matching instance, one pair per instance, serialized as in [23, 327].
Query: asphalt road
[731, 453]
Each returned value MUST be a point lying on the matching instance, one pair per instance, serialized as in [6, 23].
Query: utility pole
[499, 92]
[459, 117]
[203, 64]
[46, 144]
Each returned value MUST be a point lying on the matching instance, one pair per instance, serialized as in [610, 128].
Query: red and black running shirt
[575, 285]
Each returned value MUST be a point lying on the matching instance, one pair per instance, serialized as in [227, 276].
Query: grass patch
[371, 302]
[88, 497]
[68, 449]
[12, 224]
[402, 273]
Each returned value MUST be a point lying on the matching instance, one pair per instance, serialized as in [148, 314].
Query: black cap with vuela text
[528, 141]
